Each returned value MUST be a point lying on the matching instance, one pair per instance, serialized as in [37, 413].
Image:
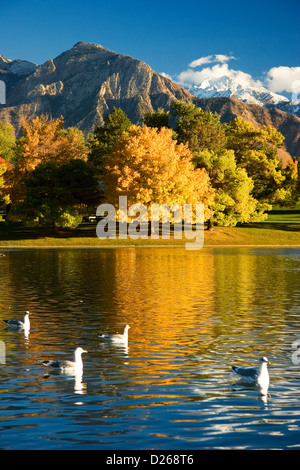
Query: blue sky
[168, 35]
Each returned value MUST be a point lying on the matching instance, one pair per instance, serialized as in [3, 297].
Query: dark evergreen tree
[105, 137]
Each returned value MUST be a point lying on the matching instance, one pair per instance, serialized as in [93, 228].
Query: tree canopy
[158, 119]
[242, 162]
[102, 141]
[60, 194]
[149, 167]
[256, 151]
[234, 202]
[7, 141]
[200, 129]
[43, 140]
[52, 172]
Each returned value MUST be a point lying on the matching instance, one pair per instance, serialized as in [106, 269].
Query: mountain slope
[230, 108]
[85, 83]
[225, 86]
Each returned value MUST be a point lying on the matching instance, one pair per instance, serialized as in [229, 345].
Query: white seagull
[117, 338]
[23, 325]
[75, 366]
[259, 375]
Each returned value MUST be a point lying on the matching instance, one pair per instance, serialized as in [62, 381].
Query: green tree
[158, 119]
[60, 194]
[200, 129]
[256, 150]
[4, 167]
[243, 136]
[7, 141]
[242, 162]
[234, 202]
[105, 137]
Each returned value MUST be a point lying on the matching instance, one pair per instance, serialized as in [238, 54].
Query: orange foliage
[149, 167]
[43, 140]
[6, 163]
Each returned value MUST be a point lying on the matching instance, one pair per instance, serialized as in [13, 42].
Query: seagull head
[264, 360]
[80, 350]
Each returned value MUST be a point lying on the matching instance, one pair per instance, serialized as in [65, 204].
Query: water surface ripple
[192, 315]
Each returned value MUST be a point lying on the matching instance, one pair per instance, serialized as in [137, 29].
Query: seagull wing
[17, 323]
[55, 364]
[246, 372]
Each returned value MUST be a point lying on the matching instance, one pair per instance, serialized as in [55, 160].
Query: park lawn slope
[263, 234]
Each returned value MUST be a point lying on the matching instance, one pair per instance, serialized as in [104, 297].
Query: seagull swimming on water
[117, 338]
[23, 325]
[259, 375]
[75, 366]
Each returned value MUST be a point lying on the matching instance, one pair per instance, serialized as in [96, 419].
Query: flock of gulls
[258, 376]
[69, 367]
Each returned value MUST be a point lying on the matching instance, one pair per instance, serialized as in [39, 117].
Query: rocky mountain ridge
[225, 86]
[287, 124]
[84, 83]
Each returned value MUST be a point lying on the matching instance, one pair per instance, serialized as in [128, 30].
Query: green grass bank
[282, 228]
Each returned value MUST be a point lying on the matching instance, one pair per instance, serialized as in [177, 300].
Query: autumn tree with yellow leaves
[43, 140]
[149, 167]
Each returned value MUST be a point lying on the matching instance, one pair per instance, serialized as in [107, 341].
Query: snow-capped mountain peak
[226, 86]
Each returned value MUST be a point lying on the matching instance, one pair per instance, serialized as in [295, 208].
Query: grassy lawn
[281, 228]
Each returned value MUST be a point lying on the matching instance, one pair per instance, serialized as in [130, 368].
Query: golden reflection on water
[192, 314]
[176, 301]
[163, 292]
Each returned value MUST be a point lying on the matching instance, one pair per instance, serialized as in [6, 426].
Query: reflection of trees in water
[172, 298]
[164, 291]
[254, 287]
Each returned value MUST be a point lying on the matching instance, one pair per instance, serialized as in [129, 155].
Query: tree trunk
[210, 223]
[55, 228]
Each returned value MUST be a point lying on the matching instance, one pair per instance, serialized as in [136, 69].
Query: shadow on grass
[16, 232]
[285, 212]
[21, 232]
[286, 227]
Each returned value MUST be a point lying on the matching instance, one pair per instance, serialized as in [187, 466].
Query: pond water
[192, 315]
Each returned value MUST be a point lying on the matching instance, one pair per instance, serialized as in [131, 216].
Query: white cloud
[209, 59]
[166, 75]
[192, 77]
[279, 79]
